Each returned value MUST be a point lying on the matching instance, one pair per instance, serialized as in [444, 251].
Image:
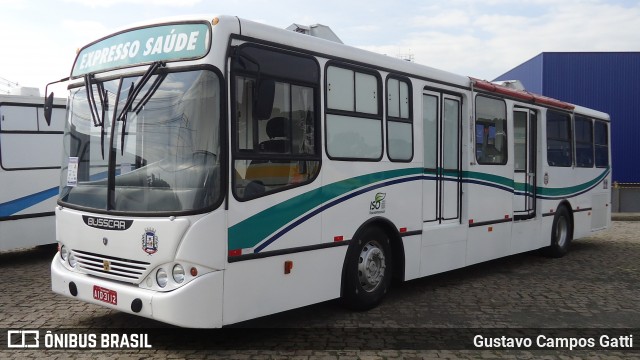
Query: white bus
[29, 169]
[217, 170]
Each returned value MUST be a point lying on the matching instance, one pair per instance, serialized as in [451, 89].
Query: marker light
[215, 21]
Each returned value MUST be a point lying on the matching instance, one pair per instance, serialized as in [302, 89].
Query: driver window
[280, 151]
[491, 131]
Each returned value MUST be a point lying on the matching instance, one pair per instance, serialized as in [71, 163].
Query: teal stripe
[495, 179]
[251, 231]
[566, 191]
[541, 190]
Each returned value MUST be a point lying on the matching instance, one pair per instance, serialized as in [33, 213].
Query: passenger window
[559, 149]
[351, 137]
[354, 120]
[584, 142]
[601, 141]
[340, 89]
[399, 121]
[491, 131]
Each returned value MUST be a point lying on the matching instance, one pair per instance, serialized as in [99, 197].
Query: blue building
[605, 81]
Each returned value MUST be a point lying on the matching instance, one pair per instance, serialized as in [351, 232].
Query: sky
[481, 38]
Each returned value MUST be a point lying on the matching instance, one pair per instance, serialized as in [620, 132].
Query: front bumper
[197, 304]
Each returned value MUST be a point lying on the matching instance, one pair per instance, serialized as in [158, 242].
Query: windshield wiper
[88, 84]
[134, 91]
[98, 120]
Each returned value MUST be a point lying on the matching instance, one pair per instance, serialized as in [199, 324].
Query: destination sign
[144, 45]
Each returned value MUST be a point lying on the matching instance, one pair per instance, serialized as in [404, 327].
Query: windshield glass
[165, 154]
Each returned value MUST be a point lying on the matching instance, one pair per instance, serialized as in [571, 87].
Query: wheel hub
[561, 231]
[371, 266]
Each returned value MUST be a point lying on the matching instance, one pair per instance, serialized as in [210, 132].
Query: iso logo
[23, 339]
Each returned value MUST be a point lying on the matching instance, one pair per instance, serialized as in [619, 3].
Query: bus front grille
[111, 267]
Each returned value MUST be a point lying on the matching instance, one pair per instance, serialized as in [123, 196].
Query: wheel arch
[395, 242]
[567, 205]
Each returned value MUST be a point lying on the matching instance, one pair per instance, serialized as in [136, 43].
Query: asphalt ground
[591, 293]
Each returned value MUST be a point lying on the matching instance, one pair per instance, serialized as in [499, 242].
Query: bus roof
[334, 50]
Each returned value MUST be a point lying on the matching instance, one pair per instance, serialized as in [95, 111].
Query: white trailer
[29, 169]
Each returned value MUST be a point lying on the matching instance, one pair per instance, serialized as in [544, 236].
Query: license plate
[105, 295]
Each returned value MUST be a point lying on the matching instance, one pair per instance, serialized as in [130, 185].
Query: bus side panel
[488, 242]
[25, 233]
[400, 203]
[259, 287]
[443, 248]
[526, 236]
[30, 196]
[412, 256]
[490, 195]
[601, 213]
[490, 207]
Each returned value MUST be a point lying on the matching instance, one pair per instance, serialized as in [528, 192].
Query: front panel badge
[150, 241]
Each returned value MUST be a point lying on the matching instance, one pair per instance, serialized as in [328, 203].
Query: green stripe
[541, 190]
[565, 191]
[251, 231]
[496, 179]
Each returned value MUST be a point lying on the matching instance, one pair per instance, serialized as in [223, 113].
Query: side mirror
[264, 96]
[48, 108]
[48, 101]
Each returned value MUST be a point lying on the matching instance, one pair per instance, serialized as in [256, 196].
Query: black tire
[367, 275]
[561, 234]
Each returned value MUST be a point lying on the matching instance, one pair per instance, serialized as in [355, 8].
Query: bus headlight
[64, 253]
[178, 273]
[161, 277]
[72, 260]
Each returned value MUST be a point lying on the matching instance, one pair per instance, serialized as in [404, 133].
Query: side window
[584, 141]
[399, 120]
[23, 131]
[491, 131]
[559, 149]
[276, 148]
[354, 118]
[601, 140]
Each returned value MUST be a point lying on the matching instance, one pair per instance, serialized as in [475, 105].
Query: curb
[625, 217]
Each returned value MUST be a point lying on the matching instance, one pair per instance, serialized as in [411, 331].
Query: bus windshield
[162, 156]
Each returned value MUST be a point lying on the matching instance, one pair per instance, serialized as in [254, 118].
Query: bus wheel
[561, 233]
[368, 271]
